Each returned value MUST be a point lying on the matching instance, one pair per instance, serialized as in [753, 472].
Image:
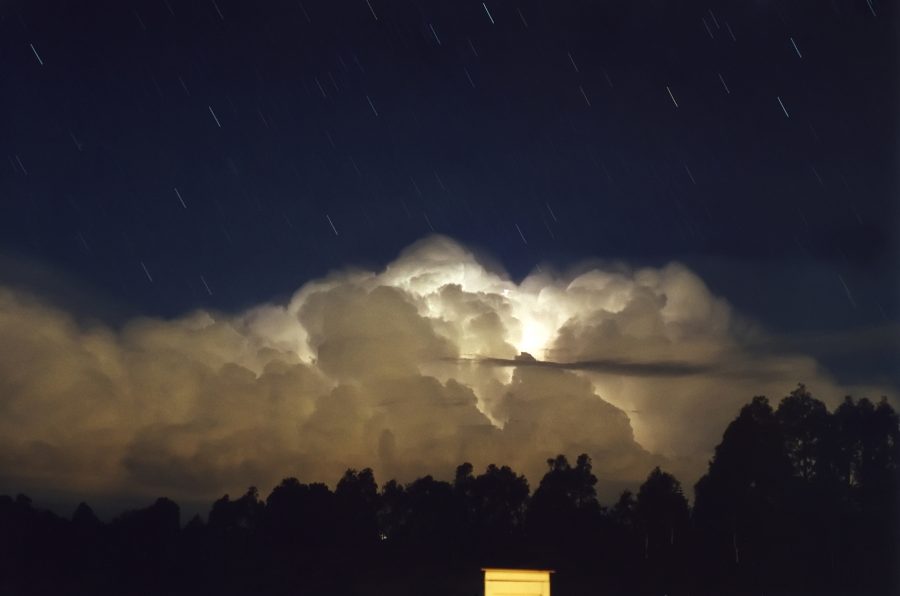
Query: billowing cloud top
[434, 361]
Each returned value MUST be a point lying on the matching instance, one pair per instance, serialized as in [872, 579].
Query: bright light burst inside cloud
[410, 370]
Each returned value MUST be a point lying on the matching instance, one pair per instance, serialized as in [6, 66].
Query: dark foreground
[797, 500]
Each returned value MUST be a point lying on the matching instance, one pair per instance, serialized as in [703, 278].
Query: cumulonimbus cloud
[434, 361]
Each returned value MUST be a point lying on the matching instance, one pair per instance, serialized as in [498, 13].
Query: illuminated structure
[516, 582]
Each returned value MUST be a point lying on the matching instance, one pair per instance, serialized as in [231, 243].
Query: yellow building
[516, 582]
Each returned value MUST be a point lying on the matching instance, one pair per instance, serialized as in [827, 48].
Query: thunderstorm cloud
[434, 361]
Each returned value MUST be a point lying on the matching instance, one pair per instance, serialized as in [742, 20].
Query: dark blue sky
[755, 141]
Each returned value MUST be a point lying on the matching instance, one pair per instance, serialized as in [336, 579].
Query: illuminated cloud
[434, 361]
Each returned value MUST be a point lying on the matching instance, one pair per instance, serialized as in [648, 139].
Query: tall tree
[870, 464]
[357, 500]
[564, 516]
[740, 501]
[809, 435]
[663, 515]
[662, 510]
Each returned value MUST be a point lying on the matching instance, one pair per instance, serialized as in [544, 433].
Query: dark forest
[796, 500]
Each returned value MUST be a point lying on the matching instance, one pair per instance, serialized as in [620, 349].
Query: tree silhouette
[145, 545]
[495, 504]
[662, 510]
[357, 499]
[236, 556]
[795, 501]
[243, 515]
[500, 497]
[808, 435]
[663, 515]
[740, 501]
[870, 463]
[816, 492]
[564, 517]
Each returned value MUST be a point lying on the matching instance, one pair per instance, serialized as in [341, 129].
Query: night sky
[162, 156]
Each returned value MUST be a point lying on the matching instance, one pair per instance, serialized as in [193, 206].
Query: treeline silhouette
[797, 500]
